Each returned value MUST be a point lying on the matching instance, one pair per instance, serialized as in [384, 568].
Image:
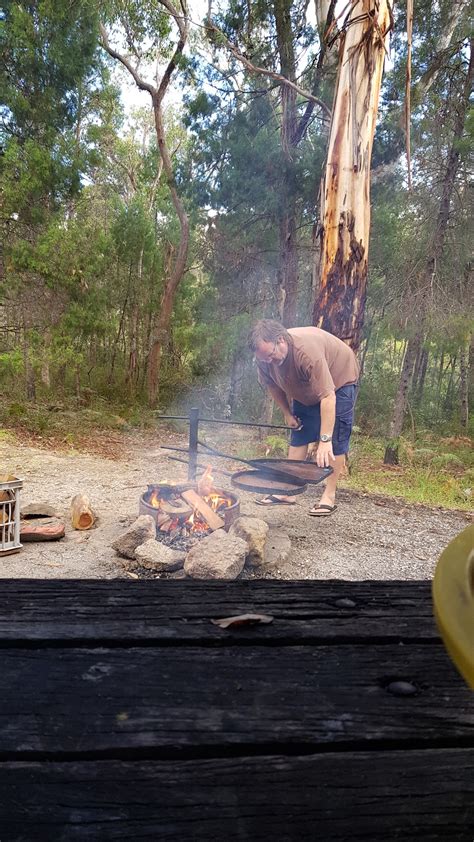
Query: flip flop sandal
[272, 500]
[323, 510]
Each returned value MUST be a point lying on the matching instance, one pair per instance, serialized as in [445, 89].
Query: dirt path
[366, 538]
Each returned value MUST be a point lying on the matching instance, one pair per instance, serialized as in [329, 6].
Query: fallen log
[212, 519]
[82, 516]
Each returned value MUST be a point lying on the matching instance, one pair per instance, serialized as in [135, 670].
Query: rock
[254, 531]
[140, 531]
[157, 556]
[178, 574]
[218, 556]
[36, 510]
[277, 548]
[41, 529]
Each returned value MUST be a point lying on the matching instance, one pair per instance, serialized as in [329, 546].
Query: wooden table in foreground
[125, 714]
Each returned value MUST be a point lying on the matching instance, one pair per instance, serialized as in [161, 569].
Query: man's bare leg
[298, 453]
[329, 494]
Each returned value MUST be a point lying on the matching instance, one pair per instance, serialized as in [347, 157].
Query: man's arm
[324, 453]
[281, 400]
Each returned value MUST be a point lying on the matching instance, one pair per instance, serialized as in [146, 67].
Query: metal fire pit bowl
[228, 515]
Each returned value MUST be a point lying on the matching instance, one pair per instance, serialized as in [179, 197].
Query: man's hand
[324, 454]
[292, 421]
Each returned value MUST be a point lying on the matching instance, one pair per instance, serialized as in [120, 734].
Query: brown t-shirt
[317, 364]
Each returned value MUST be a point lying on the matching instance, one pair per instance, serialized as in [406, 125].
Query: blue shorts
[310, 416]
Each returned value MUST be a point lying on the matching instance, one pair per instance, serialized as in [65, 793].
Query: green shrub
[276, 446]
[446, 461]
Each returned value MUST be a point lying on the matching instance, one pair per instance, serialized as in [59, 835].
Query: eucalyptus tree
[345, 192]
[272, 52]
[155, 37]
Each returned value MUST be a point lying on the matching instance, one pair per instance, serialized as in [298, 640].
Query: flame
[154, 500]
[205, 484]
[217, 501]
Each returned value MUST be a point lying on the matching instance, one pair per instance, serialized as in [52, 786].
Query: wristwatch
[325, 438]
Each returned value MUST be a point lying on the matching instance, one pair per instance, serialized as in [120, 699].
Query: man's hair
[267, 330]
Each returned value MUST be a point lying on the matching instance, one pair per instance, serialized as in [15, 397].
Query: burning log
[179, 508]
[212, 519]
[176, 516]
[161, 519]
[166, 525]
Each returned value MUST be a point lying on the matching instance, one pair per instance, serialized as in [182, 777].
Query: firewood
[178, 508]
[6, 494]
[212, 519]
[82, 516]
[161, 517]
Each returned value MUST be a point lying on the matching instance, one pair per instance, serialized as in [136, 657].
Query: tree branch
[141, 83]
[181, 20]
[443, 44]
[264, 72]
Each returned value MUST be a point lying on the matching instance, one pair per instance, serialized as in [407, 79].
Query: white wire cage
[10, 516]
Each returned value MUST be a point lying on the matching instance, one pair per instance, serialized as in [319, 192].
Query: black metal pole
[193, 442]
[224, 421]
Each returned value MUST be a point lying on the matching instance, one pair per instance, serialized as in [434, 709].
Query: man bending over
[312, 376]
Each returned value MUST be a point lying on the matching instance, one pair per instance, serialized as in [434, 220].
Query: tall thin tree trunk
[133, 355]
[464, 384]
[161, 333]
[121, 325]
[449, 396]
[364, 351]
[236, 377]
[287, 275]
[30, 378]
[420, 386]
[396, 426]
[45, 359]
[345, 192]
[266, 413]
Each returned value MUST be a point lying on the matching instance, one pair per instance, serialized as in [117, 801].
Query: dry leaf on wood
[242, 620]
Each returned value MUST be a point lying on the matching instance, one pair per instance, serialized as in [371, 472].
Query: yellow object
[453, 599]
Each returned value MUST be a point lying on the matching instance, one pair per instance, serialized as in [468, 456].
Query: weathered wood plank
[425, 796]
[174, 611]
[76, 700]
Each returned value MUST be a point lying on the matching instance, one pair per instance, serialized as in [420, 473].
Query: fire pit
[177, 518]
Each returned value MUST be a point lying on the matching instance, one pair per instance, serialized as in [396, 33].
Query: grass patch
[435, 472]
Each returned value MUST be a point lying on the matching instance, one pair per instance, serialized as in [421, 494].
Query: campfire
[189, 511]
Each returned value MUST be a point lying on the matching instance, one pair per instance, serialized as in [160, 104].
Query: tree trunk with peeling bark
[345, 192]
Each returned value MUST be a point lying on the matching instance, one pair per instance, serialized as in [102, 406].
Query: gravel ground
[366, 538]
